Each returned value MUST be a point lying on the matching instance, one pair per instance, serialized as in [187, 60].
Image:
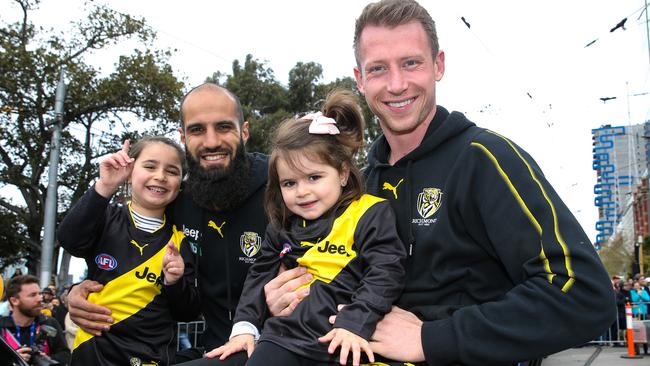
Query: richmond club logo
[250, 243]
[429, 201]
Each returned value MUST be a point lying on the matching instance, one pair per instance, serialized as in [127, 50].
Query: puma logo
[138, 246]
[218, 228]
[388, 187]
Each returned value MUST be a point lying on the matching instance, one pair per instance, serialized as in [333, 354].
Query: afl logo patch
[105, 262]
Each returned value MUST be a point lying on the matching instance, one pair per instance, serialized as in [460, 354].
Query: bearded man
[26, 330]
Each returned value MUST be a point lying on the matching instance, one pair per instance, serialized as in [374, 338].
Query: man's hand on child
[348, 342]
[114, 170]
[406, 347]
[242, 342]
[282, 294]
[173, 265]
[90, 317]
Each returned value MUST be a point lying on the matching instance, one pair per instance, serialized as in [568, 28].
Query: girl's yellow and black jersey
[356, 258]
[128, 262]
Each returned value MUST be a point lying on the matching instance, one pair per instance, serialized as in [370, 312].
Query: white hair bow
[321, 125]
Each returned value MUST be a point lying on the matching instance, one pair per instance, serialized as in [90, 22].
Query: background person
[26, 327]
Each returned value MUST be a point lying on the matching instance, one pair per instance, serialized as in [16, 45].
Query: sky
[520, 69]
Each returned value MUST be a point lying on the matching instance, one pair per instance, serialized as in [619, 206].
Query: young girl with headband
[320, 219]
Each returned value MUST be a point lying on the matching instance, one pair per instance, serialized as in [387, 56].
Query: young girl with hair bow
[320, 219]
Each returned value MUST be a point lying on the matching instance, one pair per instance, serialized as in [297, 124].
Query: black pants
[238, 359]
[270, 354]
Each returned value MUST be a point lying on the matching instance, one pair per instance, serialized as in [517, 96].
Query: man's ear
[13, 301]
[245, 133]
[440, 65]
[181, 132]
[358, 75]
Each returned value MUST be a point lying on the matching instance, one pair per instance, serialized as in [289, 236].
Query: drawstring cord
[410, 208]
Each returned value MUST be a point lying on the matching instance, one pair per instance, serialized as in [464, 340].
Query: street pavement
[594, 356]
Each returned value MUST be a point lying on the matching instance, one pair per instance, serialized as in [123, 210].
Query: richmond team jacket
[128, 262]
[227, 243]
[356, 258]
[499, 269]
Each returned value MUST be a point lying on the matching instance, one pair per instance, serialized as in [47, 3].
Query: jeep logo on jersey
[429, 201]
[105, 262]
[332, 248]
[250, 243]
[149, 276]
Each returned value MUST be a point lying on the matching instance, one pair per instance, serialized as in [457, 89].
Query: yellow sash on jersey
[128, 294]
[326, 258]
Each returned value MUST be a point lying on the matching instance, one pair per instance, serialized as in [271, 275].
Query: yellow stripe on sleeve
[531, 217]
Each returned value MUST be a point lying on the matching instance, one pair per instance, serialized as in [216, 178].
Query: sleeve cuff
[244, 328]
[439, 342]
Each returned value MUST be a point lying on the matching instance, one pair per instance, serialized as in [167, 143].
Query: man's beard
[32, 312]
[219, 188]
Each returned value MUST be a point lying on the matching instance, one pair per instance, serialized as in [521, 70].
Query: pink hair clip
[321, 125]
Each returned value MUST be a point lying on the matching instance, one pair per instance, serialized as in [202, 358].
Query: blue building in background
[620, 159]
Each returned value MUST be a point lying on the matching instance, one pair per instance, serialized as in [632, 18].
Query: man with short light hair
[499, 269]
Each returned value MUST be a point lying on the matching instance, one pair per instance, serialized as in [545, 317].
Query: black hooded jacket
[227, 243]
[499, 269]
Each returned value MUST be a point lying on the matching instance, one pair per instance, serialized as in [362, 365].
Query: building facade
[620, 159]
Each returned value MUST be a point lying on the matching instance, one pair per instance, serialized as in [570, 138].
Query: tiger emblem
[429, 201]
[250, 243]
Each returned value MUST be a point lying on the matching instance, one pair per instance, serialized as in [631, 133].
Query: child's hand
[242, 342]
[348, 341]
[114, 170]
[173, 265]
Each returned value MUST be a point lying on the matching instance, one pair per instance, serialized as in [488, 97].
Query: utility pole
[647, 27]
[49, 222]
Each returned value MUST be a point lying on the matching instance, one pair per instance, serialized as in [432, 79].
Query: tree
[139, 96]
[302, 86]
[616, 257]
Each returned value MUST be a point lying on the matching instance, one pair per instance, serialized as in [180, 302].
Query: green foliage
[140, 96]
[302, 86]
[616, 257]
[13, 241]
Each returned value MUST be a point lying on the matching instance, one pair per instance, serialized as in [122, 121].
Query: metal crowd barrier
[615, 335]
[187, 334]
